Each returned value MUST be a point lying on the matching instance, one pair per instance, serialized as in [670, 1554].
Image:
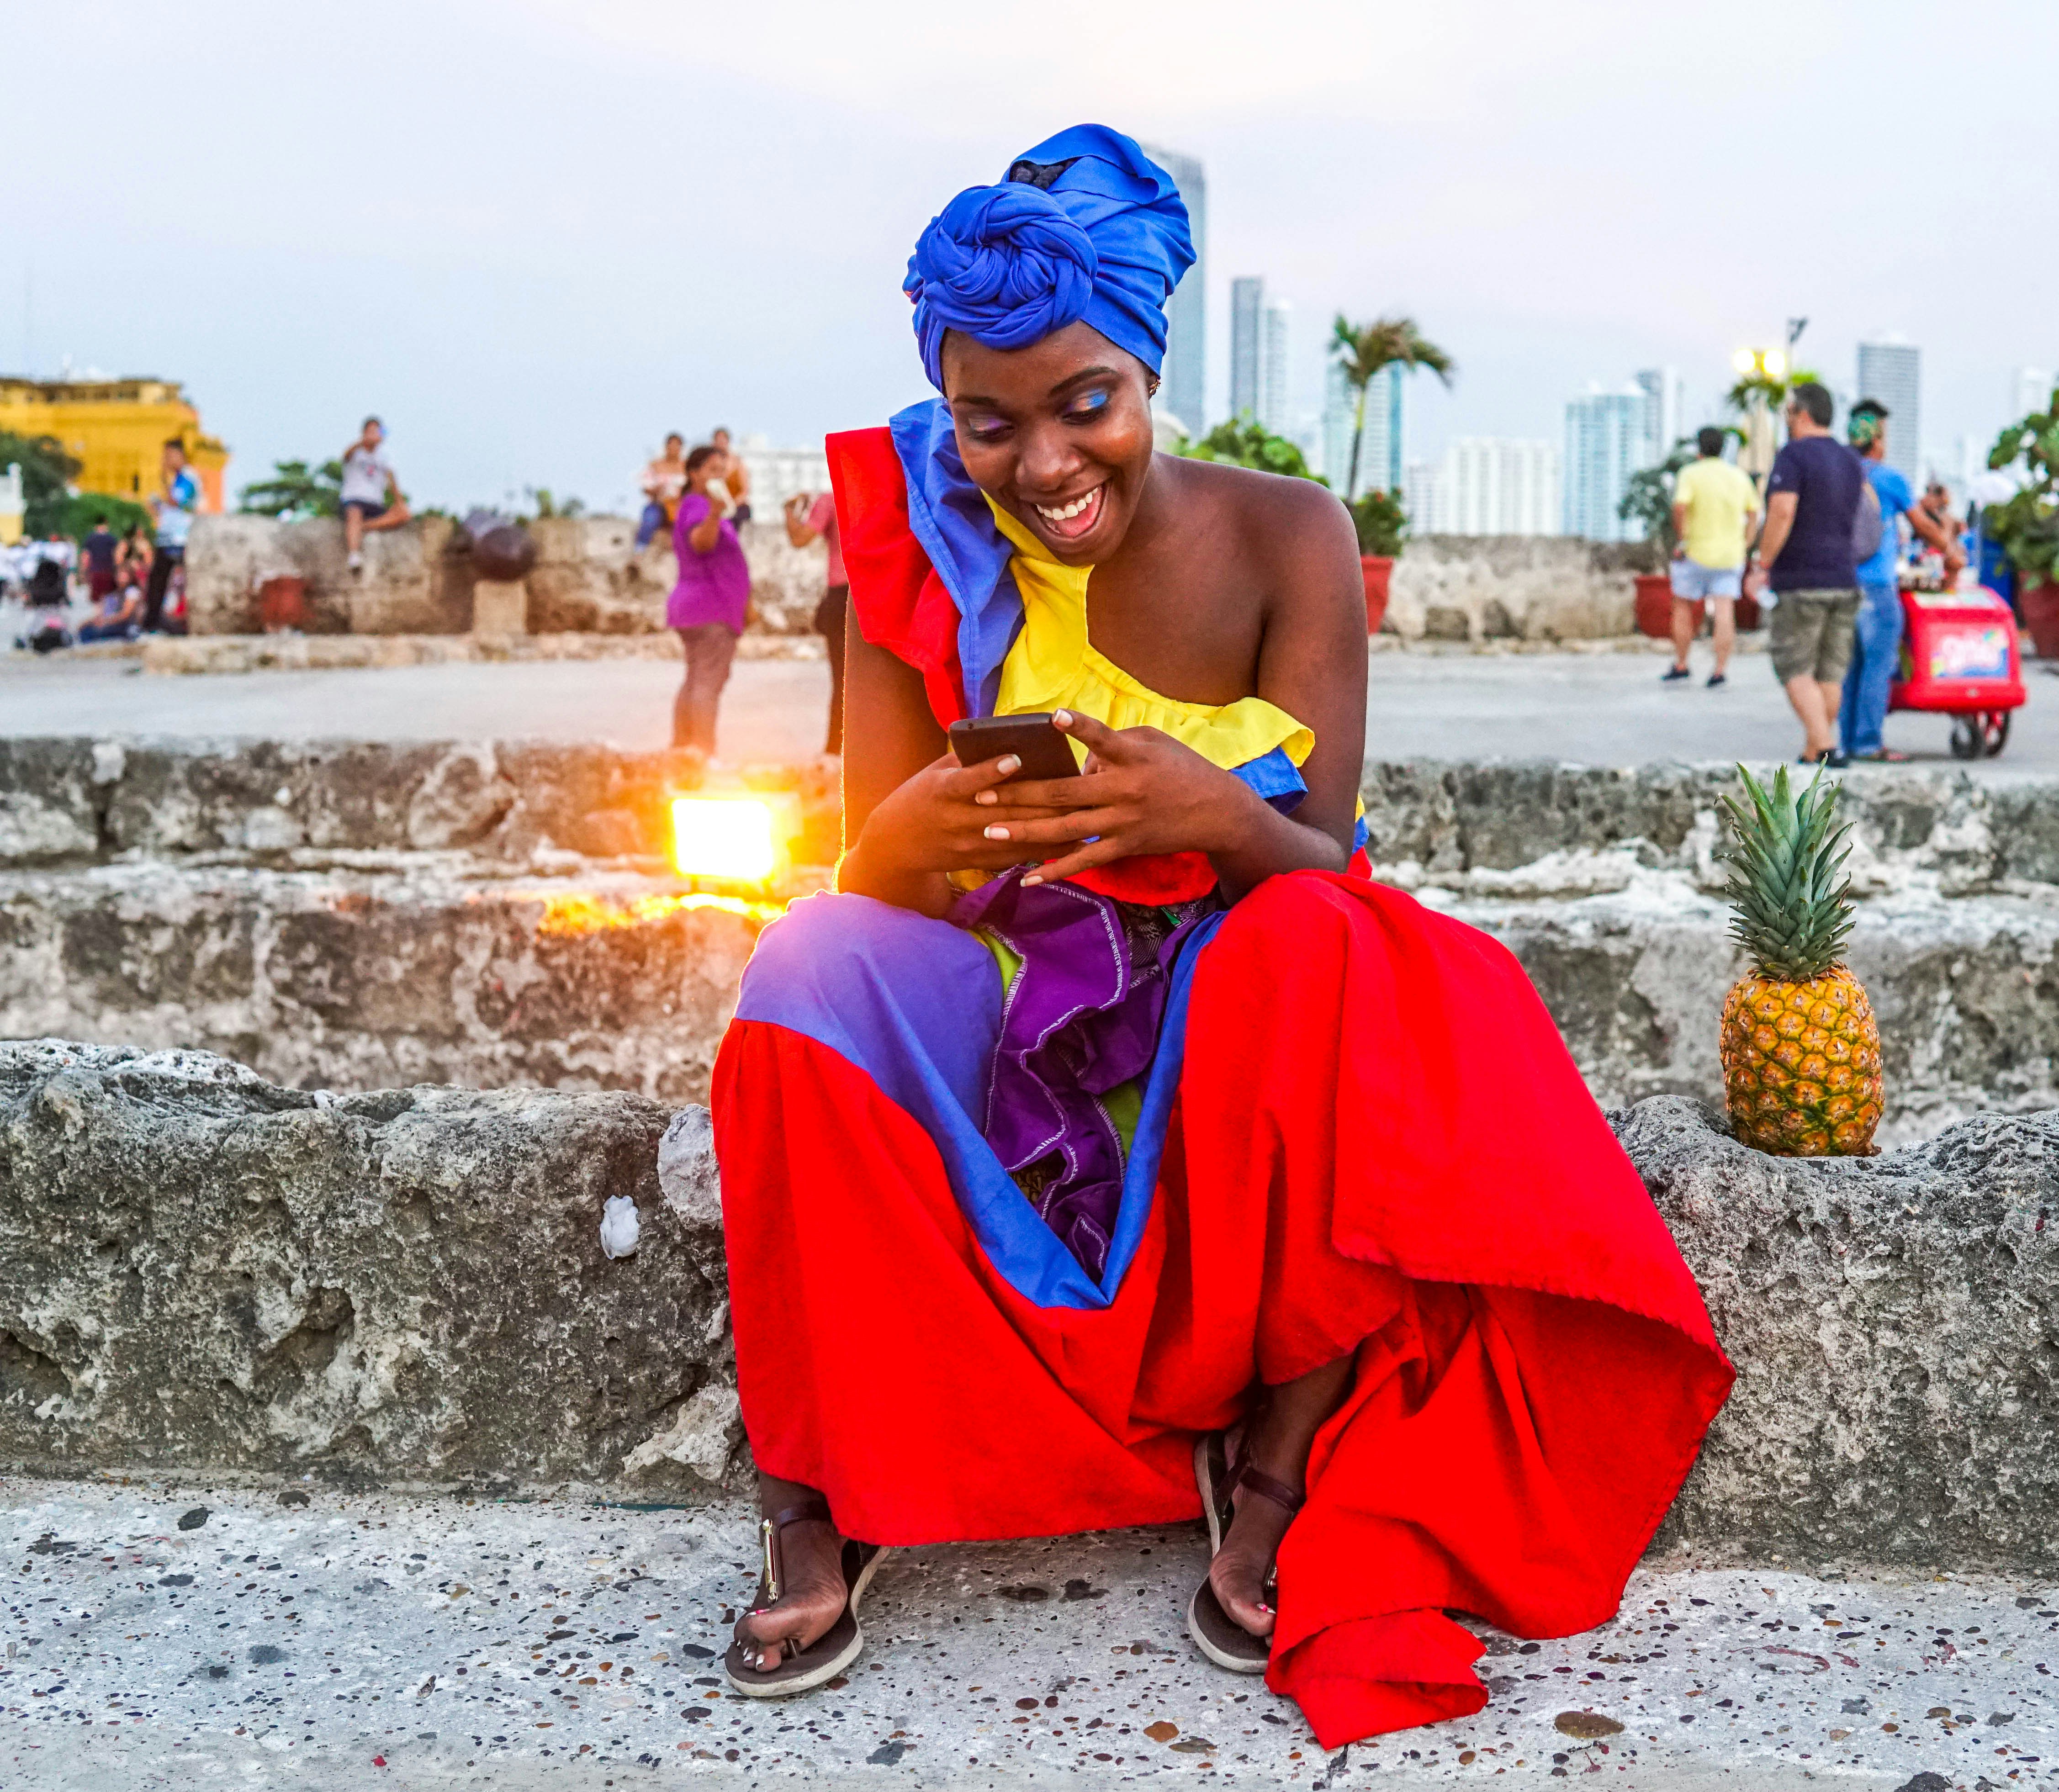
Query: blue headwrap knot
[1087, 226]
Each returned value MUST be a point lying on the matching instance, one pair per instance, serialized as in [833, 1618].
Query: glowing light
[1775, 364]
[571, 915]
[728, 837]
[1744, 361]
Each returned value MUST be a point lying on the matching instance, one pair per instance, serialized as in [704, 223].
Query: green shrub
[1245, 444]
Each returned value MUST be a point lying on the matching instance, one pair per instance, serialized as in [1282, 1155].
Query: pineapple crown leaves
[1792, 913]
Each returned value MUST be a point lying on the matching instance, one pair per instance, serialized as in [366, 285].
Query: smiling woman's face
[1058, 434]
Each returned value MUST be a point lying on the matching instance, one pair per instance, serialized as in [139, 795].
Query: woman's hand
[935, 821]
[1142, 792]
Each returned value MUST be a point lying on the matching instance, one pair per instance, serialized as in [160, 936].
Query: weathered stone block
[499, 606]
[415, 579]
[351, 980]
[199, 1269]
[1895, 1325]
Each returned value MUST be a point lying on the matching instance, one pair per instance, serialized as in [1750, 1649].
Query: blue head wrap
[1084, 226]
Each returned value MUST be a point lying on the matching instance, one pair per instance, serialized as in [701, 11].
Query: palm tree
[1363, 349]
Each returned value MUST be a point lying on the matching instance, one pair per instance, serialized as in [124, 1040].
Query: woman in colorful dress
[1110, 1148]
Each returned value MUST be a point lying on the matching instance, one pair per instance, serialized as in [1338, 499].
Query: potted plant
[1382, 526]
[2027, 525]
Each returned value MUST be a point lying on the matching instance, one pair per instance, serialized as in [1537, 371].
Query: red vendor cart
[1961, 658]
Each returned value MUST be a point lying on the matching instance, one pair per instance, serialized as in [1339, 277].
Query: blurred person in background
[1806, 556]
[1715, 514]
[371, 497]
[807, 523]
[1878, 639]
[173, 507]
[708, 604]
[735, 476]
[1936, 505]
[97, 554]
[664, 479]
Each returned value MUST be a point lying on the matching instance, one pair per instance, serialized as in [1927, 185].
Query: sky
[535, 235]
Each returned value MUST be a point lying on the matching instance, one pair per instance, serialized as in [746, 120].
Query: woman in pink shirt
[807, 523]
[707, 605]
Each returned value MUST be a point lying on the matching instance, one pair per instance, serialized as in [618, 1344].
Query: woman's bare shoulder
[1266, 507]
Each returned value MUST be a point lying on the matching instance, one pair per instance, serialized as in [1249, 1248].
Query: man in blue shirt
[174, 509]
[1865, 708]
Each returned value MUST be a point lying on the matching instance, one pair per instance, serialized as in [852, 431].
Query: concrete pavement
[158, 1634]
[1604, 709]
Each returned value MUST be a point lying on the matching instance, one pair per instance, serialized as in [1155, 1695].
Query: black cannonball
[504, 552]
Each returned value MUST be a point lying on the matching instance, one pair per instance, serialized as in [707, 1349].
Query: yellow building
[117, 429]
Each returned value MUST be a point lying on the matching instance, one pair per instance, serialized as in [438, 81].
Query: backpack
[1868, 525]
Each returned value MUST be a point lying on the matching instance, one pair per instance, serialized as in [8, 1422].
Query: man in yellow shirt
[1715, 511]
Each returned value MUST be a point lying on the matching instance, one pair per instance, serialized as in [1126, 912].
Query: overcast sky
[535, 234]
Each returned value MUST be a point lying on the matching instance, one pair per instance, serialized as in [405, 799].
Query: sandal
[801, 1670]
[1219, 1636]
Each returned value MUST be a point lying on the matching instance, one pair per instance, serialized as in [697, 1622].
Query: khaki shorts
[1810, 634]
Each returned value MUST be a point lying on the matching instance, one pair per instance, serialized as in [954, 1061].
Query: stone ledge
[208, 654]
[353, 979]
[202, 1271]
[356, 968]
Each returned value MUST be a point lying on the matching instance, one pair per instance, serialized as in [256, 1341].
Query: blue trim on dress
[915, 1004]
[948, 515]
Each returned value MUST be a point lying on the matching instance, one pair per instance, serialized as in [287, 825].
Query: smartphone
[1044, 752]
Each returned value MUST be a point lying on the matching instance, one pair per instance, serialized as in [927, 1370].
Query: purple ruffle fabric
[1081, 1019]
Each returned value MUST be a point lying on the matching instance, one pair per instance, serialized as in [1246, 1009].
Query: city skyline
[532, 306]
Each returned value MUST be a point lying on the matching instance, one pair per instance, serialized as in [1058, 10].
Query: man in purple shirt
[1806, 556]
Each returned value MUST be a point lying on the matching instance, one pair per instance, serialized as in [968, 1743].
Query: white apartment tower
[1605, 441]
[1274, 405]
[1891, 370]
[1491, 485]
[1665, 411]
[1247, 345]
[1186, 312]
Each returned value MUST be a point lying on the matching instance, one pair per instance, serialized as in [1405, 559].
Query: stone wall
[346, 915]
[417, 580]
[201, 1271]
[589, 579]
[1518, 587]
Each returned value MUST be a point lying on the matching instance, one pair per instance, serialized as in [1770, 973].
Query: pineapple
[1800, 1049]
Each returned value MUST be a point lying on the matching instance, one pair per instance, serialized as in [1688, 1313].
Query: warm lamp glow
[1775, 364]
[729, 838]
[1744, 361]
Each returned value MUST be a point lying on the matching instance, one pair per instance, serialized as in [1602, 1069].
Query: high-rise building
[1421, 498]
[1605, 437]
[1181, 392]
[1378, 454]
[1274, 405]
[2033, 391]
[1491, 485]
[1891, 370]
[1247, 344]
[1665, 411]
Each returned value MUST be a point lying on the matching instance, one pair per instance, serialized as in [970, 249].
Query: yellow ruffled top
[1053, 665]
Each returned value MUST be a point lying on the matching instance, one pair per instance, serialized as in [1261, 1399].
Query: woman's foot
[1279, 1437]
[1244, 1565]
[812, 1590]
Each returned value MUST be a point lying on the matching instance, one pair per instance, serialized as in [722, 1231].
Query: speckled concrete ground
[158, 1636]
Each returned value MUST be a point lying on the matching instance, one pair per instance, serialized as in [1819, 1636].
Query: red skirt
[1381, 1146]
